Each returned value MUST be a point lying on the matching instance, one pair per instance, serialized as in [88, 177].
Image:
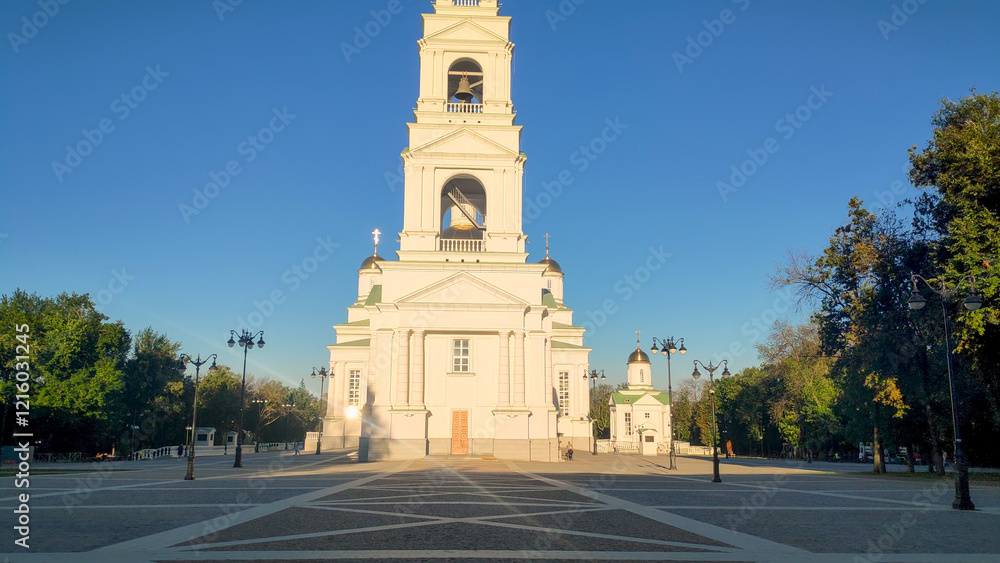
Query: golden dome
[638, 356]
[553, 266]
[371, 263]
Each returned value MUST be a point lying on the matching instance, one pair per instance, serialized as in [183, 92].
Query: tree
[960, 212]
[77, 369]
[219, 400]
[600, 409]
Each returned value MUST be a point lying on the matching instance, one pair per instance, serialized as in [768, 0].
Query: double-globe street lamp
[185, 360]
[670, 346]
[245, 339]
[972, 302]
[322, 374]
[710, 368]
[593, 376]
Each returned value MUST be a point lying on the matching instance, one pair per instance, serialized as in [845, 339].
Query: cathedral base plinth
[387, 449]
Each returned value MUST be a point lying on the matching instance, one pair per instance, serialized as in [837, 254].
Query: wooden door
[460, 432]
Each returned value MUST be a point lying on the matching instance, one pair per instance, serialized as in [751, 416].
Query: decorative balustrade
[466, 3]
[462, 245]
[463, 107]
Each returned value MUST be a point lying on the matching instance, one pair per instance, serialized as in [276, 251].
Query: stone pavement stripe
[178, 480]
[774, 487]
[941, 508]
[488, 554]
[731, 537]
[166, 539]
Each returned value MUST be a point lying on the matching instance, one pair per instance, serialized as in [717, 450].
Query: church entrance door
[460, 432]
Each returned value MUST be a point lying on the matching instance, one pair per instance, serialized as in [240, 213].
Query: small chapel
[461, 345]
[640, 415]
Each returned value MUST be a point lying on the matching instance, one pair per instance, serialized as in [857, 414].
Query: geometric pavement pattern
[452, 510]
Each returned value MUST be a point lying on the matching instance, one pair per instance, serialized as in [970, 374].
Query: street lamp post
[185, 359]
[592, 376]
[245, 339]
[323, 374]
[972, 302]
[710, 368]
[669, 347]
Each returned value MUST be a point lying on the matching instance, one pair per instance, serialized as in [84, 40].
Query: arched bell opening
[463, 209]
[465, 82]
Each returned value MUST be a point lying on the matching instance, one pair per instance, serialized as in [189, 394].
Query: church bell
[464, 93]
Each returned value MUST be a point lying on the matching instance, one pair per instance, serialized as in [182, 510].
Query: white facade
[460, 347]
[640, 413]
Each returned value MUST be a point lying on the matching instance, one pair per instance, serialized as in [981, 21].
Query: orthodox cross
[546, 245]
[637, 345]
[376, 232]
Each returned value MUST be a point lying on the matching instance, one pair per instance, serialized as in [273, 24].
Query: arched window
[550, 284]
[642, 376]
[465, 86]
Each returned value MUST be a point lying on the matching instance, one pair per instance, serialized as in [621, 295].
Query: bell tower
[463, 169]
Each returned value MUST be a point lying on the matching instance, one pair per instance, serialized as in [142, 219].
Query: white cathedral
[461, 346]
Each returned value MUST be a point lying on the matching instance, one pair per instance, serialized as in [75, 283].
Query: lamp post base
[190, 469]
[239, 456]
[715, 467]
[962, 499]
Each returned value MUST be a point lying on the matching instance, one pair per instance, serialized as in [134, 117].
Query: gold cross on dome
[637, 339]
[376, 232]
[546, 245]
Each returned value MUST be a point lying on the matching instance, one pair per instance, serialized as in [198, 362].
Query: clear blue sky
[213, 83]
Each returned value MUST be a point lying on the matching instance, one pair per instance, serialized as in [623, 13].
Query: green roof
[562, 325]
[622, 399]
[358, 343]
[362, 322]
[374, 296]
[557, 344]
[548, 300]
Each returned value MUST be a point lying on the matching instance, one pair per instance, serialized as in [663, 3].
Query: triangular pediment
[465, 30]
[465, 141]
[465, 289]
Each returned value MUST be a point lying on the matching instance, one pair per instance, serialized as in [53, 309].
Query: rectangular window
[647, 415]
[460, 355]
[564, 392]
[628, 424]
[354, 388]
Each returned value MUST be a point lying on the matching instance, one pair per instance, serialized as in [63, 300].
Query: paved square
[281, 507]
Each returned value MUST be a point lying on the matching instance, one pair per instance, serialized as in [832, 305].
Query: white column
[403, 368]
[519, 368]
[503, 391]
[417, 382]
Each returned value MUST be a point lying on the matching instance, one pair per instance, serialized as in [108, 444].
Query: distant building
[640, 413]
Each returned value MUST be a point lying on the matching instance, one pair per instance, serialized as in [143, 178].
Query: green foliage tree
[77, 371]
[219, 401]
[600, 410]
